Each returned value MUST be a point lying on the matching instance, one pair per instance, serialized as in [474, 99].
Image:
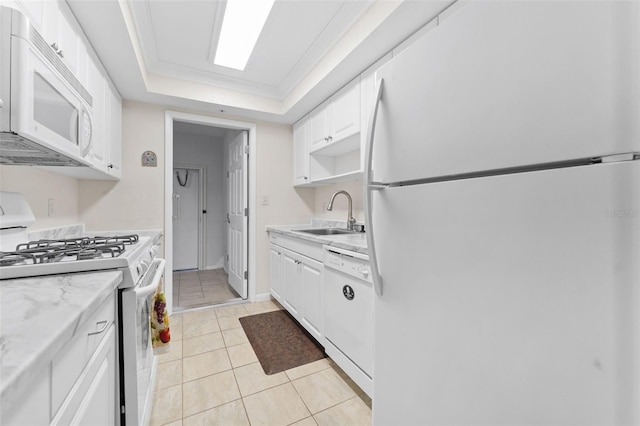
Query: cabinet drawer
[298, 245]
[68, 364]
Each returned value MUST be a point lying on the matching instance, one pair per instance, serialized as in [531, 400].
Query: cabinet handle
[330, 138]
[305, 178]
[105, 324]
[60, 53]
[110, 166]
[54, 46]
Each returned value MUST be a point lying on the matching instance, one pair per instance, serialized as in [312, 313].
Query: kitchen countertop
[354, 242]
[38, 317]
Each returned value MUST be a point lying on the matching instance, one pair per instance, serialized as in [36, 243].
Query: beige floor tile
[201, 344]
[175, 319]
[241, 355]
[251, 379]
[199, 316]
[169, 374]
[232, 414]
[176, 330]
[185, 291]
[234, 336]
[276, 406]
[261, 307]
[174, 352]
[306, 369]
[209, 392]
[352, 412]
[230, 322]
[232, 310]
[176, 423]
[309, 421]
[214, 288]
[206, 364]
[196, 329]
[322, 390]
[167, 406]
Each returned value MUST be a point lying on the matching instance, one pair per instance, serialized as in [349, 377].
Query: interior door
[237, 216]
[186, 219]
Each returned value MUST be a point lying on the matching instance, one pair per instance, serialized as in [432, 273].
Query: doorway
[208, 172]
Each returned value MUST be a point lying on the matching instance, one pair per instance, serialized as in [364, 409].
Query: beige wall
[39, 186]
[340, 205]
[137, 200]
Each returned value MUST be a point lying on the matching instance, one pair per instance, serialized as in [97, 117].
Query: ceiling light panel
[241, 27]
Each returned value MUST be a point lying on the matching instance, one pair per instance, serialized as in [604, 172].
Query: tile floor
[211, 376]
[193, 289]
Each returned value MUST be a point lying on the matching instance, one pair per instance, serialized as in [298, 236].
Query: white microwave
[45, 112]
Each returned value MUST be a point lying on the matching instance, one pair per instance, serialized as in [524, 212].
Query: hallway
[195, 289]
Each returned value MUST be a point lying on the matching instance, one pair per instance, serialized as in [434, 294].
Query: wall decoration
[149, 159]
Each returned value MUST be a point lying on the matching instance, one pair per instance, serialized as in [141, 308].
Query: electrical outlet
[265, 200]
[324, 207]
[50, 207]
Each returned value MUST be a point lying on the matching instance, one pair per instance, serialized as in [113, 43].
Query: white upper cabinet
[96, 86]
[114, 132]
[338, 119]
[301, 152]
[63, 34]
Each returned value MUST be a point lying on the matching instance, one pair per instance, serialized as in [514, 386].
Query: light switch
[265, 200]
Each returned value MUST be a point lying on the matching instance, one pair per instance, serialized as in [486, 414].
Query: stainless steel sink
[327, 231]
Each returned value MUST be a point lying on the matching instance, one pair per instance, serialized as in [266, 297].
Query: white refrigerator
[502, 205]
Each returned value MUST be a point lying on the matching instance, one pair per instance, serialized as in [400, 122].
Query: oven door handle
[147, 290]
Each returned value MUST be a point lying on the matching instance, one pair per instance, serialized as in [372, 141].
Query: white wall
[39, 186]
[207, 152]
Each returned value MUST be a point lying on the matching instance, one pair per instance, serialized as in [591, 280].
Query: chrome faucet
[350, 219]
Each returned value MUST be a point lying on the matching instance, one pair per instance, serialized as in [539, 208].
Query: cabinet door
[301, 152]
[310, 285]
[276, 273]
[99, 404]
[114, 132]
[345, 115]
[289, 264]
[91, 400]
[318, 131]
[61, 34]
[96, 86]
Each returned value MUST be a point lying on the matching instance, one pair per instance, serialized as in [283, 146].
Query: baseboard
[216, 266]
[262, 297]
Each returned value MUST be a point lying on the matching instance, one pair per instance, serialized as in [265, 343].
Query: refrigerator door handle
[370, 186]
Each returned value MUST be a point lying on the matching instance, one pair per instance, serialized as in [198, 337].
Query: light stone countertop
[39, 316]
[354, 242]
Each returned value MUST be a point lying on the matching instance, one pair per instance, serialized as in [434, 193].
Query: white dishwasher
[348, 322]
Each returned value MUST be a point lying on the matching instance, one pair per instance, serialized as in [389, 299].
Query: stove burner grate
[83, 248]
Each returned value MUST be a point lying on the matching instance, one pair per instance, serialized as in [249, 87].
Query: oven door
[136, 353]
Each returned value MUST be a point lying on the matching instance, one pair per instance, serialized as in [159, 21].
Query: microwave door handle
[148, 290]
[73, 126]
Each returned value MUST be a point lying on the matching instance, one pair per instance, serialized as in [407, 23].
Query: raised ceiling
[179, 39]
[162, 51]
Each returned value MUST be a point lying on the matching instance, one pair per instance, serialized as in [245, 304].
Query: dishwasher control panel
[347, 262]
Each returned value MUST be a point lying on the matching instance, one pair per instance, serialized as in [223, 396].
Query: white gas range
[133, 253]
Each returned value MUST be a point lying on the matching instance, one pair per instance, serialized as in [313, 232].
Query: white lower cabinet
[78, 386]
[296, 282]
